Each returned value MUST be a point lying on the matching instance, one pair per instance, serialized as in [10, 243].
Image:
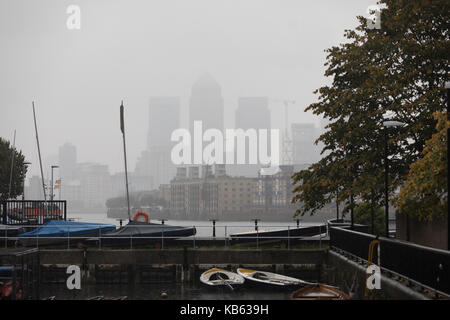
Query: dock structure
[181, 264]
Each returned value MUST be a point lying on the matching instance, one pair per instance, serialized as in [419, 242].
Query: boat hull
[269, 280]
[277, 235]
[217, 278]
[142, 233]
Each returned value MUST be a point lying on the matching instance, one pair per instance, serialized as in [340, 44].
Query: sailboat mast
[122, 128]
[39, 152]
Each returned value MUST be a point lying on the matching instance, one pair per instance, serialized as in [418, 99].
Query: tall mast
[122, 128]
[39, 152]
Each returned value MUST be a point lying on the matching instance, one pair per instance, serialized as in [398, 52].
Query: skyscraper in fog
[206, 103]
[252, 113]
[164, 118]
[67, 161]
[303, 137]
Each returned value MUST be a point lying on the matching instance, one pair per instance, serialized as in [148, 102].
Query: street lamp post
[447, 87]
[386, 125]
[51, 195]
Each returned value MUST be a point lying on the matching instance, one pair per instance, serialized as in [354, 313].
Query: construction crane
[287, 157]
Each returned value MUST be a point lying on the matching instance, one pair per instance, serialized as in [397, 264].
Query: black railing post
[65, 210]
[4, 213]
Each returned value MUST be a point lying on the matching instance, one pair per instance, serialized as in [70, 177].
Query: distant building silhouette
[155, 162]
[67, 161]
[95, 184]
[34, 190]
[206, 104]
[252, 113]
[303, 137]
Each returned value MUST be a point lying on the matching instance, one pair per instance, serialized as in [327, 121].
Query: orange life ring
[140, 213]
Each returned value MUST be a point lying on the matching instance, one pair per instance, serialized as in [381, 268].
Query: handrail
[426, 265]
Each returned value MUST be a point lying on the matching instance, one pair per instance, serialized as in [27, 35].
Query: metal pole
[256, 223]
[447, 86]
[214, 227]
[337, 206]
[51, 188]
[351, 210]
[386, 181]
[372, 213]
[122, 128]
[39, 152]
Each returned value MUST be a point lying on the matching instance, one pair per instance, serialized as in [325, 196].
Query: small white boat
[221, 277]
[270, 278]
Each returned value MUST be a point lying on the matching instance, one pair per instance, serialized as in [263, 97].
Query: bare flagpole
[39, 152]
[122, 128]
[12, 164]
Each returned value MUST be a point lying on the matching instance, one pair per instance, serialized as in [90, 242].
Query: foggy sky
[133, 50]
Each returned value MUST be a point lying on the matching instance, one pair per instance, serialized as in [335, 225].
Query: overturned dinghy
[58, 231]
[270, 279]
[142, 232]
[216, 277]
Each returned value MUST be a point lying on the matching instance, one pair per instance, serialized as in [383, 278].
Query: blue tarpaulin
[61, 228]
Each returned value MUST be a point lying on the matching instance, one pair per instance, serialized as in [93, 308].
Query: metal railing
[96, 237]
[20, 271]
[426, 265]
[36, 212]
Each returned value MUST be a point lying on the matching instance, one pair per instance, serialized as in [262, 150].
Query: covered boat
[217, 277]
[319, 292]
[10, 230]
[57, 231]
[278, 235]
[142, 232]
[269, 279]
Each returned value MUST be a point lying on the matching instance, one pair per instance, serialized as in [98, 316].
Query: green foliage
[399, 69]
[425, 192]
[19, 170]
[363, 215]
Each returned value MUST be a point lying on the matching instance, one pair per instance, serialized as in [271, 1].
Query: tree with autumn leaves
[425, 192]
[397, 70]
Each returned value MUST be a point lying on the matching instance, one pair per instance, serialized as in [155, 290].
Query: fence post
[257, 238]
[65, 210]
[289, 238]
[68, 237]
[225, 236]
[4, 213]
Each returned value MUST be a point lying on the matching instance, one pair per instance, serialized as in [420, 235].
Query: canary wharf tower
[206, 103]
